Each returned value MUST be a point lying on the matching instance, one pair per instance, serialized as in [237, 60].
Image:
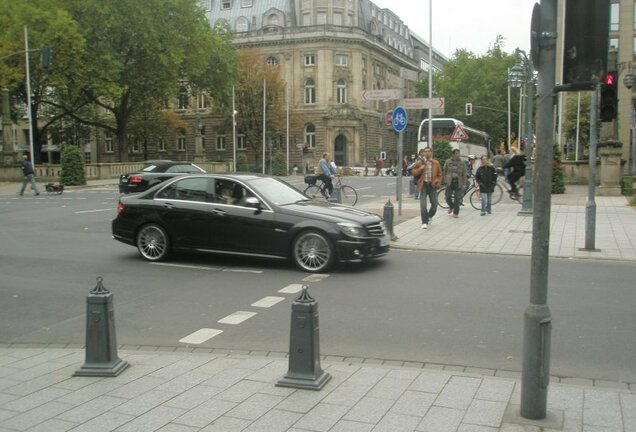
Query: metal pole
[509, 122]
[28, 88]
[287, 138]
[537, 319]
[526, 208]
[430, 72]
[234, 128]
[398, 167]
[590, 204]
[578, 124]
[264, 108]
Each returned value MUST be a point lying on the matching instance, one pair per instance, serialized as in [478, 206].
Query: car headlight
[351, 229]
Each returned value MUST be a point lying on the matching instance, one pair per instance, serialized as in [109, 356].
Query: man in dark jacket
[29, 176]
[486, 178]
[516, 168]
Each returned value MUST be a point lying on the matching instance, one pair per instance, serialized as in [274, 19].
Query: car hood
[331, 212]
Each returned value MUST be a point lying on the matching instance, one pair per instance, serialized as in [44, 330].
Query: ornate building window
[310, 92]
[240, 142]
[341, 92]
[182, 102]
[220, 143]
[273, 20]
[246, 3]
[108, 144]
[181, 143]
[242, 25]
[341, 59]
[226, 4]
[310, 60]
[310, 135]
[272, 61]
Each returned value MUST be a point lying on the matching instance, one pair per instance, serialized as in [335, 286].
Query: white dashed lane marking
[200, 336]
[94, 211]
[237, 317]
[291, 289]
[315, 278]
[268, 301]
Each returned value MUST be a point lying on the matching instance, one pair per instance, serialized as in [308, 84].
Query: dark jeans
[428, 191]
[328, 185]
[454, 195]
[513, 178]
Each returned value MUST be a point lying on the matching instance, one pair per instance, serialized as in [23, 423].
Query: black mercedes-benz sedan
[250, 215]
[153, 173]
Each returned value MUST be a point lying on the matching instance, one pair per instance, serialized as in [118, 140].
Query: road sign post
[400, 120]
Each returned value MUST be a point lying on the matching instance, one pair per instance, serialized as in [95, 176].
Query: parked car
[153, 173]
[247, 214]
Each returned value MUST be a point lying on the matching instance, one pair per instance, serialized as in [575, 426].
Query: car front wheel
[313, 252]
[153, 243]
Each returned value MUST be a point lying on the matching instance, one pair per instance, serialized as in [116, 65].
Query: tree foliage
[72, 166]
[254, 71]
[570, 120]
[482, 81]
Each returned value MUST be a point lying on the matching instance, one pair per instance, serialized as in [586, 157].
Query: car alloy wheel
[153, 243]
[313, 252]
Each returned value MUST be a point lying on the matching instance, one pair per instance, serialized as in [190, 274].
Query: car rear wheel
[313, 252]
[153, 242]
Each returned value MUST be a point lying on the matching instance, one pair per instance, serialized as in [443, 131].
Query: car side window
[183, 168]
[230, 192]
[190, 189]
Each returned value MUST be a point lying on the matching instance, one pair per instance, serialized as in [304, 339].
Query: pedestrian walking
[455, 179]
[498, 162]
[29, 176]
[429, 178]
[486, 177]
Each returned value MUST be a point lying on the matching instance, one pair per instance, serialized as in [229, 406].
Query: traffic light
[609, 97]
[469, 109]
[586, 40]
[45, 57]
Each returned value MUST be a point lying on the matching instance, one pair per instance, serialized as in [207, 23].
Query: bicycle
[348, 195]
[472, 192]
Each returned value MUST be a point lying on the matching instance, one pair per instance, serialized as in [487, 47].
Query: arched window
[310, 92]
[272, 61]
[242, 25]
[272, 19]
[341, 91]
[310, 135]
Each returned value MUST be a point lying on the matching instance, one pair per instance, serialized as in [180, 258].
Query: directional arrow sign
[423, 103]
[384, 94]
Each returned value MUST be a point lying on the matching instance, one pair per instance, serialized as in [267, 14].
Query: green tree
[249, 100]
[72, 166]
[279, 164]
[482, 81]
[136, 54]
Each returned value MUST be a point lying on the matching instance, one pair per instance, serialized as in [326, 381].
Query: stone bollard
[610, 154]
[388, 218]
[304, 347]
[101, 343]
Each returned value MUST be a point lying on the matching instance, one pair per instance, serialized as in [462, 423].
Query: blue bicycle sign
[399, 119]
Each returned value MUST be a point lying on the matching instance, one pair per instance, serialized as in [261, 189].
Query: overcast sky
[470, 24]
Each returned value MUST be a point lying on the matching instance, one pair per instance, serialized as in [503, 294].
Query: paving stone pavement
[186, 391]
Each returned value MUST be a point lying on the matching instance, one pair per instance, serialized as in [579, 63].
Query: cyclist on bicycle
[326, 173]
[516, 169]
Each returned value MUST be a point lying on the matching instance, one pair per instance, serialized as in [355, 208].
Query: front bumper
[362, 249]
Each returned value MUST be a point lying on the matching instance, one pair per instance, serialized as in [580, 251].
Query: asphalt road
[462, 309]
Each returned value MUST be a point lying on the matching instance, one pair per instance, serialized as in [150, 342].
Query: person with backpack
[428, 172]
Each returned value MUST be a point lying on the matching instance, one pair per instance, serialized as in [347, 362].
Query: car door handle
[168, 205]
[218, 212]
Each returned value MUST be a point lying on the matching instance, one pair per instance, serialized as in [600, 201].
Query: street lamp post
[520, 74]
[628, 81]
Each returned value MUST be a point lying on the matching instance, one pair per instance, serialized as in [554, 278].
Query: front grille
[376, 229]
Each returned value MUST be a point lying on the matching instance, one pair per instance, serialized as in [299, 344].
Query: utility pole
[537, 329]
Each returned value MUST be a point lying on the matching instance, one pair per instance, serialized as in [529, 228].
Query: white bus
[478, 142]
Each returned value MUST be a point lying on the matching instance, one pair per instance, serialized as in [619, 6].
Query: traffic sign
[399, 119]
[423, 103]
[383, 94]
[459, 134]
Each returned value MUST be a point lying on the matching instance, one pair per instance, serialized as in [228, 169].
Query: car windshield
[276, 191]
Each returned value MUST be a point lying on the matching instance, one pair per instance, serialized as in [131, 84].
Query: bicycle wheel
[475, 199]
[441, 198]
[314, 192]
[497, 194]
[348, 195]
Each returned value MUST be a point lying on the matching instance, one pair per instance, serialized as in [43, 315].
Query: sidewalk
[505, 232]
[203, 391]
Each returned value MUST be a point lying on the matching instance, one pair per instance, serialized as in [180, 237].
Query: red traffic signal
[610, 79]
[609, 97]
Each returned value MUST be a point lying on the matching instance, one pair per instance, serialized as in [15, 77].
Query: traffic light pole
[537, 327]
[590, 205]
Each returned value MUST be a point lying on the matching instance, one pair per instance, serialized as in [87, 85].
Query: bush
[558, 183]
[241, 162]
[72, 166]
[279, 164]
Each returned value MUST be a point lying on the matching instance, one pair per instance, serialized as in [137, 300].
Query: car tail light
[120, 208]
[136, 179]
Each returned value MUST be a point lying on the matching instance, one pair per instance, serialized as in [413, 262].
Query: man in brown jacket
[429, 180]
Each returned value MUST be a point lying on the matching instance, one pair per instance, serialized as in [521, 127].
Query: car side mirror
[254, 203]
